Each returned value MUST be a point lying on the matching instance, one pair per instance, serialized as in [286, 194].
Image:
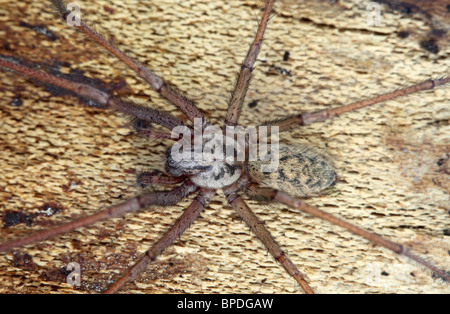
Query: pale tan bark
[391, 158]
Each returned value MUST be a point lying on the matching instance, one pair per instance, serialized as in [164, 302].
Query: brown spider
[293, 248]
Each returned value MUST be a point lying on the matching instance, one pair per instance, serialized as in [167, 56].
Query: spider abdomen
[300, 172]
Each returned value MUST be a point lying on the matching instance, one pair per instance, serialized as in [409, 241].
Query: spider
[290, 249]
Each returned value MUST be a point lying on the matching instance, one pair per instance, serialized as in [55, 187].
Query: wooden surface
[392, 159]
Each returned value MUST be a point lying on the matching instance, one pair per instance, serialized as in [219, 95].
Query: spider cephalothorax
[201, 164]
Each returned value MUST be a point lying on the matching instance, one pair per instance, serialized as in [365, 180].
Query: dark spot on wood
[447, 232]
[440, 162]
[108, 9]
[403, 34]
[286, 56]
[71, 185]
[383, 273]
[56, 275]
[23, 261]
[401, 6]
[6, 47]
[12, 218]
[406, 9]
[50, 209]
[429, 45]
[16, 102]
[448, 7]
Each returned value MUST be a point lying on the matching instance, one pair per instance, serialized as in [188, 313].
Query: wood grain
[392, 159]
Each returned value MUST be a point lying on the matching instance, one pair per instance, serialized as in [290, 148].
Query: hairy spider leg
[185, 220]
[163, 198]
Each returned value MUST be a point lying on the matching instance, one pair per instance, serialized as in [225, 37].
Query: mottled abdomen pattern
[301, 172]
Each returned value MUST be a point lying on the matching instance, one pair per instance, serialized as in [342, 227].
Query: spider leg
[286, 199]
[191, 213]
[164, 198]
[142, 112]
[290, 122]
[243, 81]
[264, 235]
[185, 104]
